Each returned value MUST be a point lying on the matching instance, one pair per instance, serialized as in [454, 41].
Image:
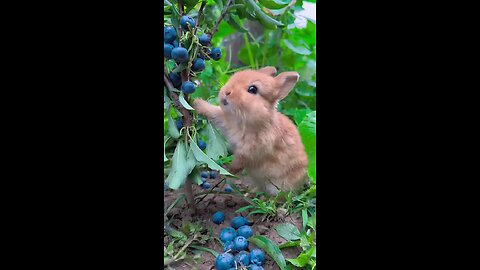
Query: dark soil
[228, 204]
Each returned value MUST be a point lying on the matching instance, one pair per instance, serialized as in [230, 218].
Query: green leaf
[275, 4]
[200, 156]
[297, 49]
[165, 140]
[191, 161]
[299, 115]
[256, 212]
[184, 103]
[289, 244]
[216, 145]
[178, 173]
[189, 4]
[303, 258]
[180, 67]
[288, 231]
[308, 133]
[195, 176]
[270, 248]
[244, 208]
[304, 241]
[312, 222]
[304, 218]
[234, 21]
[178, 235]
[213, 252]
[263, 19]
[172, 128]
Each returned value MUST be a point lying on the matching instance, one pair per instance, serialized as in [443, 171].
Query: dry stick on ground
[187, 117]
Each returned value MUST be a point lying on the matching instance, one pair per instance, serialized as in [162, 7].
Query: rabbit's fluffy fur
[264, 142]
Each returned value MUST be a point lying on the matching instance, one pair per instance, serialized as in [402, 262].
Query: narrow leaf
[184, 103]
[172, 128]
[289, 244]
[213, 252]
[297, 49]
[304, 218]
[270, 248]
[244, 208]
[165, 140]
[200, 156]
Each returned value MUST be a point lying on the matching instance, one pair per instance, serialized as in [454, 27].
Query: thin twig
[219, 182]
[224, 12]
[204, 3]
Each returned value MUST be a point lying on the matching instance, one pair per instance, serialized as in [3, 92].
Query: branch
[186, 114]
[224, 12]
[204, 3]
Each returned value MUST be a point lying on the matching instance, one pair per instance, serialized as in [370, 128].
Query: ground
[227, 204]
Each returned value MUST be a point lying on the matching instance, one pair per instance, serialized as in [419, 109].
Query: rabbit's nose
[228, 93]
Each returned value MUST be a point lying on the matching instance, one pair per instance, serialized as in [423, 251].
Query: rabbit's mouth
[224, 101]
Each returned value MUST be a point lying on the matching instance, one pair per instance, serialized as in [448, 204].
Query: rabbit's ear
[285, 83]
[270, 71]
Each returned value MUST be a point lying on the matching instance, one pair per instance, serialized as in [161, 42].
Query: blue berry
[243, 257]
[228, 246]
[176, 79]
[213, 174]
[204, 39]
[224, 261]
[204, 180]
[240, 243]
[228, 189]
[175, 43]
[180, 54]
[169, 34]
[179, 124]
[238, 222]
[216, 54]
[198, 65]
[202, 145]
[188, 87]
[257, 257]
[245, 231]
[187, 20]
[227, 234]
[167, 50]
[204, 174]
[218, 218]
[255, 267]
[206, 185]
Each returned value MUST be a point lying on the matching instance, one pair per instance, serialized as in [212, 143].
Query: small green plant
[178, 241]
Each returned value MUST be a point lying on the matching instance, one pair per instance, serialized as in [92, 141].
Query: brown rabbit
[264, 142]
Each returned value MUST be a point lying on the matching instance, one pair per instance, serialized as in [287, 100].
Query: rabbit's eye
[252, 89]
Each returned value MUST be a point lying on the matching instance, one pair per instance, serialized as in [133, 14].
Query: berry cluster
[235, 239]
[175, 49]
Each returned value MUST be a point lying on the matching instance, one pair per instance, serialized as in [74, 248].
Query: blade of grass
[213, 252]
[249, 50]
